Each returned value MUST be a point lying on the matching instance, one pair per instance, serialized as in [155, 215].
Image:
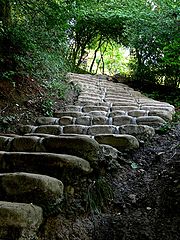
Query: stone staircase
[42, 160]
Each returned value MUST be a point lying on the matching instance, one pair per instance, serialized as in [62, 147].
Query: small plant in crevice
[99, 195]
[169, 125]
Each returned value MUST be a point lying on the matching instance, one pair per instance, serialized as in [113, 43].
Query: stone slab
[41, 190]
[19, 220]
[121, 142]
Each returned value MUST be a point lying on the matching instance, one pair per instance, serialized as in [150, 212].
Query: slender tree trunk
[95, 53]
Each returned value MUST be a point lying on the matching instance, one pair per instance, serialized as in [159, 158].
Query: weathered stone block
[46, 121]
[24, 143]
[141, 132]
[95, 108]
[84, 120]
[117, 113]
[19, 220]
[66, 120]
[97, 113]
[49, 129]
[60, 114]
[124, 108]
[100, 120]
[43, 163]
[41, 190]
[153, 121]
[121, 120]
[101, 129]
[23, 129]
[137, 113]
[75, 129]
[166, 115]
[120, 142]
[81, 146]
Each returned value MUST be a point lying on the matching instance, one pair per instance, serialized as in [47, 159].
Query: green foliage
[99, 195]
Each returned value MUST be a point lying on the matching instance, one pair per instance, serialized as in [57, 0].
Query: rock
[91, 108]
[101, 129]
[43, 163]
[166, 115]
[141, 132]
[41, 190]
[81, 146]
[153, 121]
[121, 120]
[23, 129]
[76, 129]
[70, 108]
[24, 144]
[60, 114]
[46, 121]
[66, 120]
[4, 143]
[84, 120]
[137, 113]
[19, 221]
[49, 129]
[97, 113]
[124, 108]
[109, 152]
[117, 113]
[100, 120]
[120, 142]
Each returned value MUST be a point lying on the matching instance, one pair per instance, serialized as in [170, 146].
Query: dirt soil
[145, 202]
[136, 197]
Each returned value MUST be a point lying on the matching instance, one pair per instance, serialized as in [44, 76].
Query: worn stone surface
[101, 129]
[84, 120]
[137, 113]
[49, 129]
[23, 129]
[41, 190]
[141, 132]
[24, 143]
[19, 221]
[60, 114]
[95, 108]
[99, 120]
[121, 120]
[46, 121]
[66, 120]
[42, 163]
[76, 129]
[166, 115]
[153, 121]
[81, 146]
[120, 142]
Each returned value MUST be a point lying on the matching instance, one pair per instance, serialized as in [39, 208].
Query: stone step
[60, 166]
[77, 145]
[152, 121]
[120, 142]
[40, 190]
[19, 221]
[141, 132]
